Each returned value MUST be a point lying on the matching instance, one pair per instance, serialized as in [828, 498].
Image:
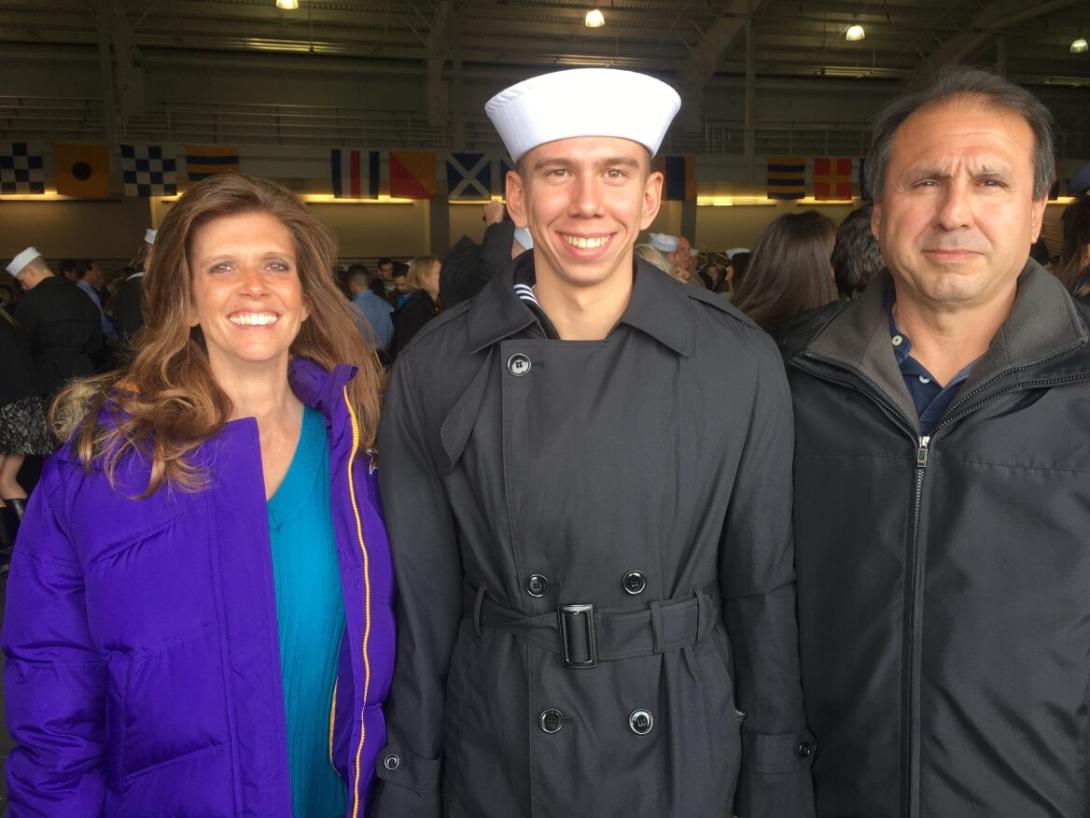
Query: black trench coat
[647, 475]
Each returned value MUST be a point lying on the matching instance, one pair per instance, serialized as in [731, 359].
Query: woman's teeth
[253, 319]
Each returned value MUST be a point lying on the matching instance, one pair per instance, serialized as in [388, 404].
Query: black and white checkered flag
[147, 172]
[20, 170]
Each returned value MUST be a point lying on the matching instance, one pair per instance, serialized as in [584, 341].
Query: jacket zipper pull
[921, 452]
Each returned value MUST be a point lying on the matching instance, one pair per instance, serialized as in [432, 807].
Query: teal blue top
[310, 618]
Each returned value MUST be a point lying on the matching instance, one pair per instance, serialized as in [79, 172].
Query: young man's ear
[516, 202]
[652, 198]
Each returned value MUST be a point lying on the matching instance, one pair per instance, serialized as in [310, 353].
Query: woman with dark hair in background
[1073, 267]
[199, 608]
[23, 429]
[790, 270]
[422, 304]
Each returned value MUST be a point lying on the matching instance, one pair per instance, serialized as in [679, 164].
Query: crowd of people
[577, 520]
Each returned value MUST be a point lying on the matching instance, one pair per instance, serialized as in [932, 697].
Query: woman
[23, 429]
[789, 271]
[422, 304]
[198, 618]
[1073, 267]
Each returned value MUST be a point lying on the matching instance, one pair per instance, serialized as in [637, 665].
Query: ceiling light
[1079, 46]
[594, 19]
[287, 5]
[855, 33]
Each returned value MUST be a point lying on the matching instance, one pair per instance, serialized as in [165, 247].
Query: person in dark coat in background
[421, 305]
[23, 429]
[856, 259]
[128, 305]
[942, 505]
[469, 266]
[596, 605]
[63, 326]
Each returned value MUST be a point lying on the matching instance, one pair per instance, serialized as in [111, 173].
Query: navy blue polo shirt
[929, 396]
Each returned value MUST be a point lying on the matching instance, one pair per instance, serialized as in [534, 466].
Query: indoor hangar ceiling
[694, 40]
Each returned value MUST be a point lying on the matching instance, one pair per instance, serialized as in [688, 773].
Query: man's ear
[652, 199]
[516, 199]
[876, 220]
[1037, 218]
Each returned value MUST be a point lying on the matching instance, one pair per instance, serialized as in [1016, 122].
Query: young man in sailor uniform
[597, 609]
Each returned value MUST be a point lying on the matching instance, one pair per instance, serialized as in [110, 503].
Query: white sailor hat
[735, 251]
[583, 102]
[523, 237]
[22, 260]
[664, 242]
[149, 235]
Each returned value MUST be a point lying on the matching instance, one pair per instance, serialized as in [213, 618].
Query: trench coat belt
[621, 633]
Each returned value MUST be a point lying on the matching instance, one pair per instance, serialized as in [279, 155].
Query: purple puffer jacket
[143, 669]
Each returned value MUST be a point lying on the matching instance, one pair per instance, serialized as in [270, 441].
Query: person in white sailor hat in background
[677, 253]
[62, 325]
[596, 608]
[129, 300]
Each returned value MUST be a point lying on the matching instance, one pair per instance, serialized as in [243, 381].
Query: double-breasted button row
[641, 722]
[634, 582]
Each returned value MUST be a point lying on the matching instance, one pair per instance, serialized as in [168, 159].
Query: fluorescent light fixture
[854, 33]
[1079, 46]
[287, 5]
[594, 19]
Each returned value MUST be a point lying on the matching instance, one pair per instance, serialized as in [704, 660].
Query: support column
[748, 126]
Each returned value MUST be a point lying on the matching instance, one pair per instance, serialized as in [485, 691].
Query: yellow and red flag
[833, 177]
[412, 174]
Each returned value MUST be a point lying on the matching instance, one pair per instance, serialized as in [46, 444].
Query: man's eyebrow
[564, 162]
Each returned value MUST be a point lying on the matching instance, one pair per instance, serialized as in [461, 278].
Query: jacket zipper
[911, 770]
[366, 604]
[911, 649]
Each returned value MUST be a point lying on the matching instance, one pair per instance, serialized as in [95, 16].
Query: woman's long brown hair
[166, 403]
[789, 271]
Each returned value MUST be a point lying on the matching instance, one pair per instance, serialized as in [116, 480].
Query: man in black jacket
[61, 323]
[942, 499]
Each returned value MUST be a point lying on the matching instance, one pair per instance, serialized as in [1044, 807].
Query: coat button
[537, 585]
[391, 762]
[641, 722]
[806, 749]
[518, 364]
[634, 582]
[551, 720]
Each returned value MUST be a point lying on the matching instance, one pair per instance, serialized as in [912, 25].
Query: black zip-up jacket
[944, 581]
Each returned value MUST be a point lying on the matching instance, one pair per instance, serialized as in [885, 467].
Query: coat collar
[316, 387]
[1044, 324]
[658, 307]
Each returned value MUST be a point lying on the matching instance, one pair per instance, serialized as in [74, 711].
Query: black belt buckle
[578, 638]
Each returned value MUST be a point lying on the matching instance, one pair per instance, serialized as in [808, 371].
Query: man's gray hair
[959, 81]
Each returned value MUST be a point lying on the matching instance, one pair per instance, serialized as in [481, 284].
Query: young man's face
[387, 271]
[402, 284]
[585, 200]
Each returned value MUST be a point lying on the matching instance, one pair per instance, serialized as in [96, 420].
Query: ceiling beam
[997, 16]
[721, 36]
